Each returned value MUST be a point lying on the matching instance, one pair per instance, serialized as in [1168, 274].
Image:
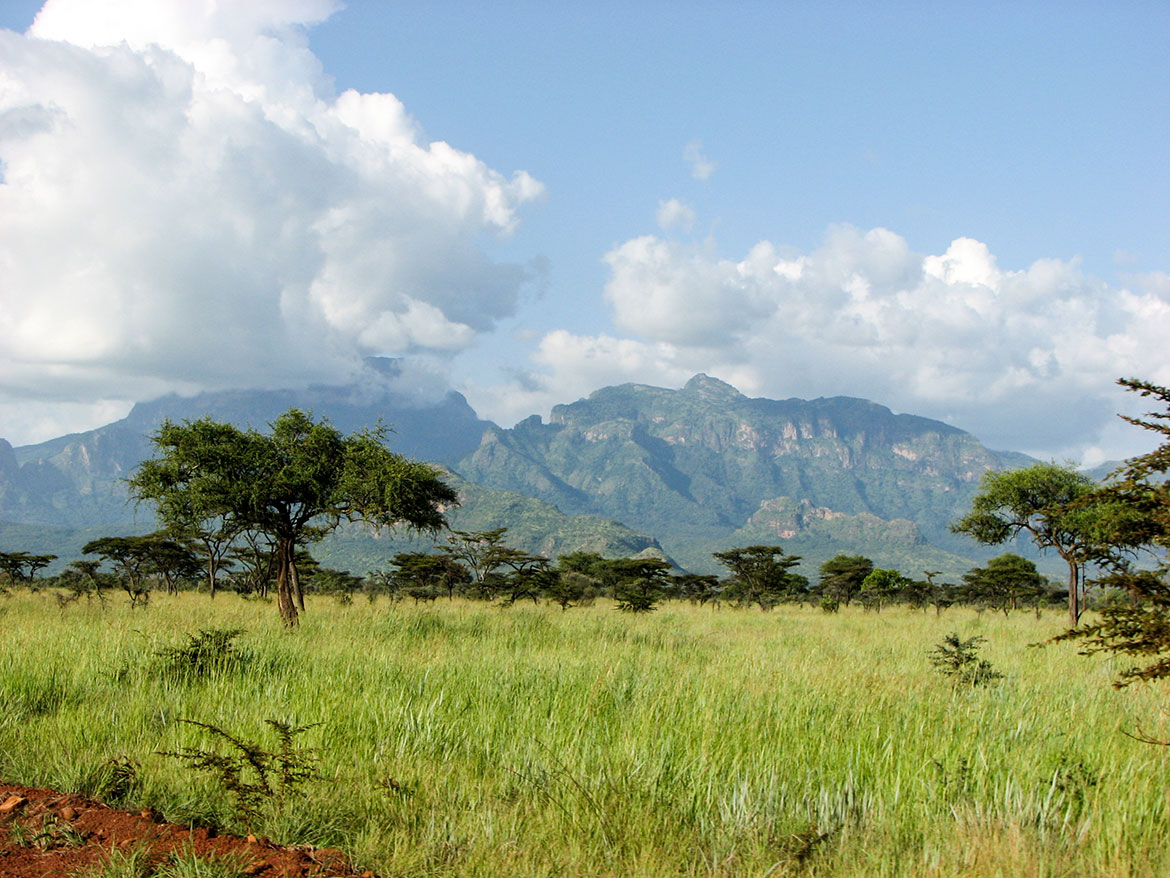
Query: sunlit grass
[465, 739]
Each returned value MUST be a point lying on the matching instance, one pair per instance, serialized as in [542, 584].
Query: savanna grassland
[460, 738]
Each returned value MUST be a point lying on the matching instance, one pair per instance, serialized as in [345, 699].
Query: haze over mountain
[630, 468]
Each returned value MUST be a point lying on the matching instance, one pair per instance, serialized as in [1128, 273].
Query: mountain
[58, 495]
[705, 467]
[631, 468]
[533, 526]
[76, 480]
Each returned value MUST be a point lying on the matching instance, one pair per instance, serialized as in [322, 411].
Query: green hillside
[686, 472]
[693, 466]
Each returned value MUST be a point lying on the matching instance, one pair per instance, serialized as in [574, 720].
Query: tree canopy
[294, 484]
[762, 575]
[1141, 625]
[1047, 501]
[842, 576]
[1004, 583]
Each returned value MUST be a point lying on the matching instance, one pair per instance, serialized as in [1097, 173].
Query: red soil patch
[44, 834]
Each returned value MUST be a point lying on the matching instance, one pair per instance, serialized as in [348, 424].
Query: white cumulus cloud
[1027, 359]
[186, 203]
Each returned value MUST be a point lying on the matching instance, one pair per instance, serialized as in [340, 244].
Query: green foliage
[253, 776]
[1139, 496]
[187, 864]
[137, 862]
[1047, 502]
[83, 579]
[881, 585]
[339, 584]
[697, 588]
[428, 574]
[842, 577]
[762, 575]
[482, 554]
[22, 567]
[48, 834]
[682, 725]
[131, 557]
[1005, 583]
[113, 780]
[568, 588]
[294, 484]
[958, 659]
[209, 651]
[640, 583]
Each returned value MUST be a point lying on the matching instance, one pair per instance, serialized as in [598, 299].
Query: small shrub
[49, 836]
[637, 595]
[250, 774]
[210, 651]
[799, 848]
[956, 658]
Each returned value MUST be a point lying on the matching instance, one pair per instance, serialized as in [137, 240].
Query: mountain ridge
[690, 471]
[693, 465]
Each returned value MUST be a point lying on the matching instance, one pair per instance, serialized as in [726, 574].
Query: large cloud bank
[1027, 359]
[188, 204]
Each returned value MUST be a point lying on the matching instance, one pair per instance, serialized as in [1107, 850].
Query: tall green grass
[465, 739]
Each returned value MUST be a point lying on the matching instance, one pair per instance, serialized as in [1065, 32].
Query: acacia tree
[882, 584]
[299, 481]
[23, 566]
[1140, 499]
[842, 576]
[131, 557]
[482, 553]
[762, 575]
[1048, 502]
[208, 460]
[425, 571]
[639, 583]
[1005, 582]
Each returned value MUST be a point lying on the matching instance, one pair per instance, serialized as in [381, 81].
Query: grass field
[465, 739]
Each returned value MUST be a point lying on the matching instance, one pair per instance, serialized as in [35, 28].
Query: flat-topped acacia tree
[296, 483]
[1050, 503]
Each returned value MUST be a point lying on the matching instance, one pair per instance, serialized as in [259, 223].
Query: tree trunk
[212, 566]
[1074, 597]
[296, 583]
[284, 592]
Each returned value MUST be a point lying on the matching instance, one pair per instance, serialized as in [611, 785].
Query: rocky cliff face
[701, 469]
[698, 467]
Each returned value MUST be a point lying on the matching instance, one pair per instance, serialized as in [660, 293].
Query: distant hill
[58, 495]
[533, 525]
[705, 467]
[76, 480]
[632, 468]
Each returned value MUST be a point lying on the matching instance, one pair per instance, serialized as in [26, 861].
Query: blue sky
[766, 192]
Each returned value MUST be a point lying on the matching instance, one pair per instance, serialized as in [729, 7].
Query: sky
[955, 210]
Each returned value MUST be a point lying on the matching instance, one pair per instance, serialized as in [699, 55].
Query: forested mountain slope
[698, 469]
[705, 466]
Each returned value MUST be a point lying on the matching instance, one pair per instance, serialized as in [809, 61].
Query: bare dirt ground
[44, 834]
